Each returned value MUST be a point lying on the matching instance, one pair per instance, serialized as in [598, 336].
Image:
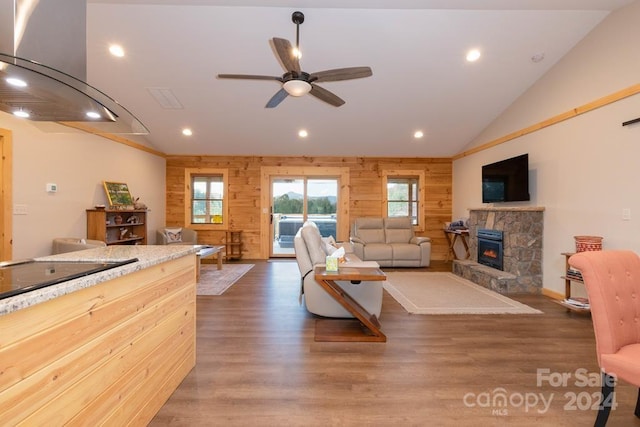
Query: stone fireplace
[522, 231]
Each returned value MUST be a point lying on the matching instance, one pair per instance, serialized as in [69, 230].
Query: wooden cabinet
[109, 354]
[570, 277]
[233, 244]
[117, 227]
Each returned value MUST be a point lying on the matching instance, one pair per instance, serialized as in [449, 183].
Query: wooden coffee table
[206, 251]
[365, 326]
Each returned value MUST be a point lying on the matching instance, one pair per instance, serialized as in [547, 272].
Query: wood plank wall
[110, 354]
[365, 189]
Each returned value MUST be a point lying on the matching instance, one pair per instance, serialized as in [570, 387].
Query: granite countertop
[147, 256]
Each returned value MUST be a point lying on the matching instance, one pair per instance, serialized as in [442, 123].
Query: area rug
[216, 282]
[446, 293]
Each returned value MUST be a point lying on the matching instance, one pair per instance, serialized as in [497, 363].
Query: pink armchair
[612, 279]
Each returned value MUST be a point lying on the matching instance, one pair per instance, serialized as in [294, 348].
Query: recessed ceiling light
[303, 133]
[16, 82]
[418, 134]
[537, 57]
[116, 50]
[187, 132]
[93, 115]
[21, 113]
[473, 55]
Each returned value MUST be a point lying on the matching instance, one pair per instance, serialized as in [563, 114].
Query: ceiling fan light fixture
[21, 113]
[297, 87]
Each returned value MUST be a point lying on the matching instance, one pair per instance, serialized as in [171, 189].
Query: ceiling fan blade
[248, 77]
[277, 98]
[326, 96]
[341, 74]
[285, 54]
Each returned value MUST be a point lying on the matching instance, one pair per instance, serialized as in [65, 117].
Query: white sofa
[311, 251]
[390, 242]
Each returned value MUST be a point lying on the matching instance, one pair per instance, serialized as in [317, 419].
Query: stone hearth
[523, 231]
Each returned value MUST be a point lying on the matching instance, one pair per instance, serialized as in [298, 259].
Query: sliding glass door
[296, 200]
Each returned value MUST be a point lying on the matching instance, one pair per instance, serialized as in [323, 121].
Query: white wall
[584, 171]
[78, 163]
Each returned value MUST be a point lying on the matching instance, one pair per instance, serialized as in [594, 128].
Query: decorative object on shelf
[456, 225]
[588, 243]
[100, 207]
[118, 194]
[117, 219]
[577, 303]
[138, 205]
[123, 233]
[133, 219]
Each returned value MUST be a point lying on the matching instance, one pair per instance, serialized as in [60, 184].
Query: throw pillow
[174, 235]
[329, 245]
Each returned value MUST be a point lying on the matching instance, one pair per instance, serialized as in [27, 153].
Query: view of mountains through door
[296, 200]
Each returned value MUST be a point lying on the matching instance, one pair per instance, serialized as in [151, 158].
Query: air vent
[165, 98]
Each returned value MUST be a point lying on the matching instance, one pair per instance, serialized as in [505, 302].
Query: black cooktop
[20, 277]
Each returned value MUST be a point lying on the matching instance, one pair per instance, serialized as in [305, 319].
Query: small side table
[233, 244]
[365, 326]
[452, 236]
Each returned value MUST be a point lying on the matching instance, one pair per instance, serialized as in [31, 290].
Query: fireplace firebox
[490, 248]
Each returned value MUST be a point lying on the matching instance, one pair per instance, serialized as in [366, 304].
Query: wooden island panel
[111, 353]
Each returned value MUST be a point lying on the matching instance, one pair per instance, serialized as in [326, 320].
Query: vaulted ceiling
[416, 49]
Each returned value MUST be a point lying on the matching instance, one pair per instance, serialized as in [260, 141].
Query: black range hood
[43, 49]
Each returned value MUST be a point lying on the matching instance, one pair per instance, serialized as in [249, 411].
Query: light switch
[626, 214]
[52, 188]
[20, 209]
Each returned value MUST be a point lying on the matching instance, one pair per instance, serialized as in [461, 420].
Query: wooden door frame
[6, 207]
[342, 210]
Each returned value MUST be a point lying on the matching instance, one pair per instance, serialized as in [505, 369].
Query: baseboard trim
[552, 294]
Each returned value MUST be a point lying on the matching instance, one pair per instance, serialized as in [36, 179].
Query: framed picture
[118, 193]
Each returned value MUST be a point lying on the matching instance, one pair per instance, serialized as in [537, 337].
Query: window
[402, 198]
[403, 193]
[205, 202]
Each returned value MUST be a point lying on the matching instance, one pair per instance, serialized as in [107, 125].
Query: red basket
[588, 243]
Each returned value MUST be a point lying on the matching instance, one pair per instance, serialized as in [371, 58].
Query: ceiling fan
[296, 82]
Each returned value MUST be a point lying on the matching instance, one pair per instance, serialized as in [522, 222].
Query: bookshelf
[117, 227]
[570, 276]
[233, 244]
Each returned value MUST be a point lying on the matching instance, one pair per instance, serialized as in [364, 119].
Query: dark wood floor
[257, 364]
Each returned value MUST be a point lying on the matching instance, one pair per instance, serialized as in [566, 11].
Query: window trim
[399, 173]
[188, 202]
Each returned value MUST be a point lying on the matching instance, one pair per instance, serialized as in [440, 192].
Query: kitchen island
[109, 347]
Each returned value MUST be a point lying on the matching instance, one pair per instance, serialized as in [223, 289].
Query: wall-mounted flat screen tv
[506, 180]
